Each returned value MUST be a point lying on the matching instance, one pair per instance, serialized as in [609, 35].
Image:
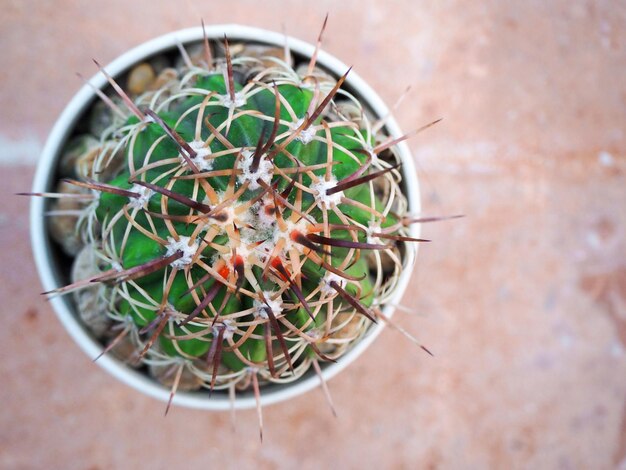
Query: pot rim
[50, 274]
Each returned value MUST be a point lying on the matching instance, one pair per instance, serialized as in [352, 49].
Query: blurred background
[523, 301]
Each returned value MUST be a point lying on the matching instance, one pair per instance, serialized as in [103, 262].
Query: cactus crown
[246, 217]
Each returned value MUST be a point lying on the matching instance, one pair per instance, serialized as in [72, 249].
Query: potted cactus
[235, 213]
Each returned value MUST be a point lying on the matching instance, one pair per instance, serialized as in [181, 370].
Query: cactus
[253, 225]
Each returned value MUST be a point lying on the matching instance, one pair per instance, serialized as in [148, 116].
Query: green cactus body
[248, 227]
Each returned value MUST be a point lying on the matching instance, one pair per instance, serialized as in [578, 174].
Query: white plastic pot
[45, 177]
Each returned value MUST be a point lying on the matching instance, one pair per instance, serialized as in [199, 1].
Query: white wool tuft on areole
[199, 160]
[323, 199]
[329, 277]
[306, 135]
[189, 251]
[264, 219]
[260, 307]
[229, 329]
[264, 172]
[372, 228]
[227, 101]
[144, 196]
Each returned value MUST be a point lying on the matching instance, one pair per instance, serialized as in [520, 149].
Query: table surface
[523, 301]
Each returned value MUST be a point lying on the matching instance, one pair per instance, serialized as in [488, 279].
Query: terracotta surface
[523, 301]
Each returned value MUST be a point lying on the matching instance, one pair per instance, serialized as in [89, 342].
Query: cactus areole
[245, 218]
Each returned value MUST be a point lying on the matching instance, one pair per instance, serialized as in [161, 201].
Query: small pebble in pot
[347, 333]
[63, 229]
[76, 148]
[99, 163]
[196, 54]
[167, 78]
[317, 74]
[140, 78]
[160, 63]
[265, 58]
[85, 158]
[91, 301]
[349, 111]
[265, 54]
[126, 349]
